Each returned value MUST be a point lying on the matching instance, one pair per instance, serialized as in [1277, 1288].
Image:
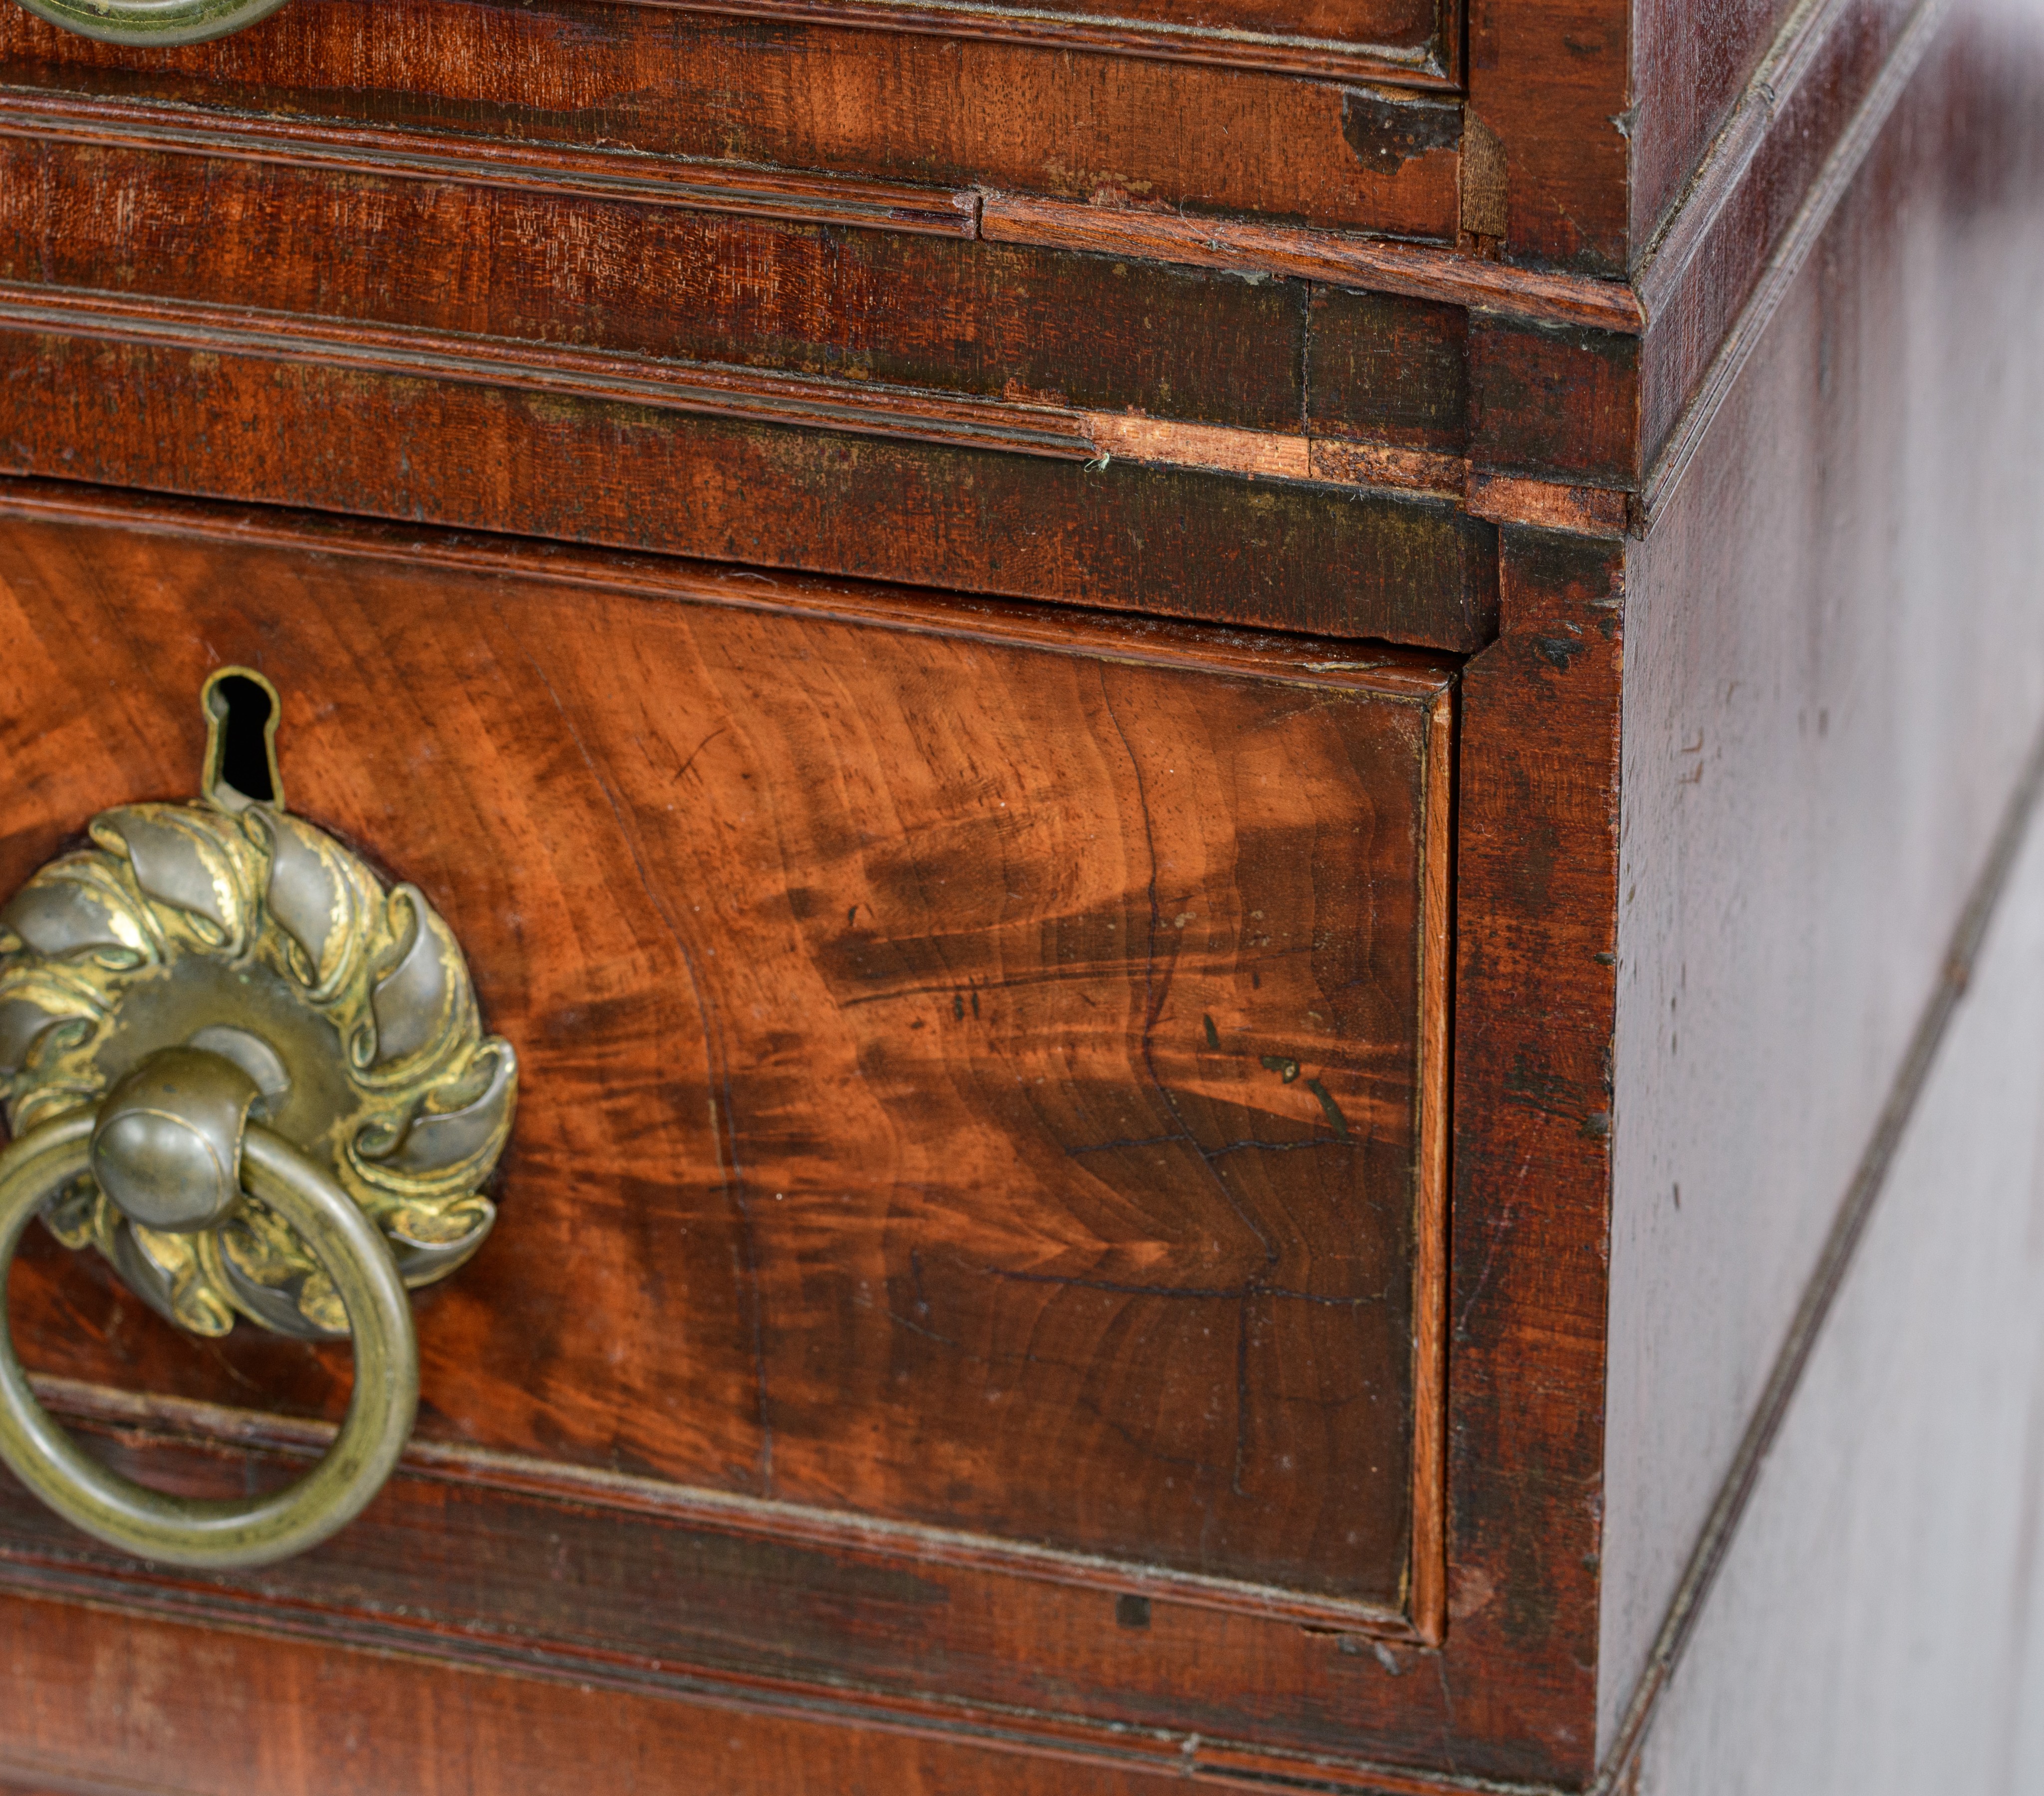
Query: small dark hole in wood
[1132, 1612]
[244, 709]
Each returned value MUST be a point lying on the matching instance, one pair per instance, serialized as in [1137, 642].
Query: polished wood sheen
[1217, 760]
[949, 1060]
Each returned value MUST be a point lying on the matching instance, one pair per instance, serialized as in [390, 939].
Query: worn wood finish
[1553, 400]
[1536, 889]
[1416, 271]
[858, 304]
[953, 1095]
[1387, 370]
[832, 299]
[612, 469]
[93, 1698]
[1122, 1371]
[1550, 81]
[1691, 65]
[785, 95]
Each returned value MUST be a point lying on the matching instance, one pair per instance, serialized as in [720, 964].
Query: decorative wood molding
[804, 94]
[824, 405]
[1434, 65]
[1677, 344]
[1092, 1750]
[176, 1420]
[1413, 674]
[552, 169]
[1415, 269]
[1387, 265]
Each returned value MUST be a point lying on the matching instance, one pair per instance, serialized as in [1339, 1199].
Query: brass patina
[231, 926]
[153, 24]
[254, 1077]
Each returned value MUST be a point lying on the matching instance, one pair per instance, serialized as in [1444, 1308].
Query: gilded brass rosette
[238, 928]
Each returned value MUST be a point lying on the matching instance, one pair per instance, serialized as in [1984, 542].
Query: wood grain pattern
[952, 111]
[1113, 225]
[458, 1564]
[1411, 42]
[879, 308]
[912, 1116]
[1555, 402]
[615, 471]
[1552, 80]
[1389, 369]
[1416, 271]
[605, 173]
[1536, 897]
[94, 1698]
[1693, 63]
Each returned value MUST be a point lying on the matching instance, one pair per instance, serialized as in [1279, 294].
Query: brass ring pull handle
[157, 24]
[254, 1077]
[173, 1142]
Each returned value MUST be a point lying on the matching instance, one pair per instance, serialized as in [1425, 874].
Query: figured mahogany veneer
[974, 1076]
[1099, 1199]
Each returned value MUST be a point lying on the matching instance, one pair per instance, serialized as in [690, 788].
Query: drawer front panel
[491, 443]
[977, 1071]
[801, 94]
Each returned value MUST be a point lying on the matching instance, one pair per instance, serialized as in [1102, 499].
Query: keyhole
[241, 710]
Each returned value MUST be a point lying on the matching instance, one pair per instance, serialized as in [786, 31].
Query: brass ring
[209, 1534]
[155, 23]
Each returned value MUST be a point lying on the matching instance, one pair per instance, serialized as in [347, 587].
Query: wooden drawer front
[977, 1065]
[1013, 109]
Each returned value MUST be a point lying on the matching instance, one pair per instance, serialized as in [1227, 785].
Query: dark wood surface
[1836, 74]
[1536, 892]
[107, 1705]
[1239, 1672]
[1025, 1375]
[1550, 81]
[687, 285]
[601, 456]
[784, 94]
[1692, 61]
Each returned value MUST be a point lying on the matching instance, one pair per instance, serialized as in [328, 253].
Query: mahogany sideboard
[1203, 790]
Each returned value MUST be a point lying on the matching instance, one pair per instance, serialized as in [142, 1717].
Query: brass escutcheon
[255, 1078]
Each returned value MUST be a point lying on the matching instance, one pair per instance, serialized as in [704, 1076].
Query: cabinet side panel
[1835, 663]
[1879, 1626]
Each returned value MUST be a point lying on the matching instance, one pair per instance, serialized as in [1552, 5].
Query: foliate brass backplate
[248, 932]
